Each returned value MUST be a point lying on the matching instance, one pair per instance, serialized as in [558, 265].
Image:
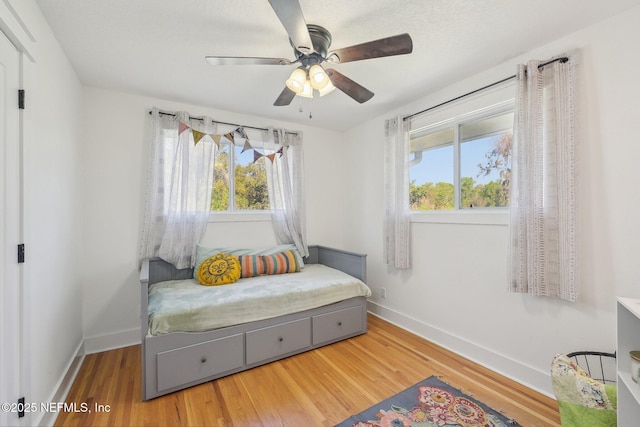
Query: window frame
[241, 215]
[456, 118]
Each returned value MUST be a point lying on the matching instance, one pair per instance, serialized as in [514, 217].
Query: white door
[10, 234]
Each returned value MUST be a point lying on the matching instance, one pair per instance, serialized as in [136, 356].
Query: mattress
[187, 306]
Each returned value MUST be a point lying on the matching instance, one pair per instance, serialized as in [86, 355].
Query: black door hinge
[21, 99]
[20, 253]
[21, 407]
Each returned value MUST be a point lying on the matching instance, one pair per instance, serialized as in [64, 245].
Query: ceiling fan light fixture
[328, 88]
[296, 80]
[307, 89]
[318, 77]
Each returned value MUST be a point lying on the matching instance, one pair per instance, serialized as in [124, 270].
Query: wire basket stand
[599, 365]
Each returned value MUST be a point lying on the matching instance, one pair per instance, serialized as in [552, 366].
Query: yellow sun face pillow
[220, 269]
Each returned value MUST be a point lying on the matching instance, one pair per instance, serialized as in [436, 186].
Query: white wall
[113, 187]
[84, 172]
[455, 294]
[52, 220]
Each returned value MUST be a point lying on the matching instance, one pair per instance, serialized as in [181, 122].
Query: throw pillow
[220, 269]
[259, 265]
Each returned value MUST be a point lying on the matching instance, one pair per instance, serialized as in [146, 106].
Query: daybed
[174, 360]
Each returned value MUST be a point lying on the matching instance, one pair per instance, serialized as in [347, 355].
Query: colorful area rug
[430, 403]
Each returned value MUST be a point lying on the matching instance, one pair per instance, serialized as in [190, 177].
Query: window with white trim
[463, 162]
[240, 179]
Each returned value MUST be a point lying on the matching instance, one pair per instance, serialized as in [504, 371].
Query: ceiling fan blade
[285, 98]
[290, 14]
[389, 46]
[348, 86]
[245, 60]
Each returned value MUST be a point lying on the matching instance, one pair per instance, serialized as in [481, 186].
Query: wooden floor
[317, 388]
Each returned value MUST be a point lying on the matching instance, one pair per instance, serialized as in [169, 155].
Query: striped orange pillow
[260, 265]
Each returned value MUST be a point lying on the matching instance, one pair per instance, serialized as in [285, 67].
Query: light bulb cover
[296, 80]
[318, 77]
[307, 90]
[328, 88]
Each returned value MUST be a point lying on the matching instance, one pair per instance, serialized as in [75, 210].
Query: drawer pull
[280, 339]
[203, 360]
[339, 323]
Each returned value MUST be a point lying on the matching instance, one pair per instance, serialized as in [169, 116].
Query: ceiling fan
[311, 48]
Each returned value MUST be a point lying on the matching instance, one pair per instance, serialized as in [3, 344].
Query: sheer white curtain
[285, 178]
[543, 195]
[179, 184]
[396, 193]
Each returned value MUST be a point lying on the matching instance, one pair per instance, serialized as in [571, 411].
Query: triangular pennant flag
[197, 136]
[242, 133]
[256, 156]
[182, 127]
[271, 157]
[216, 139]
[247, 146]
[229, 136]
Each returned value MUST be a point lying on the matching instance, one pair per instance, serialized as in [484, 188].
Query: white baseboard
[120, 339]
[517, 371]
[62, 387]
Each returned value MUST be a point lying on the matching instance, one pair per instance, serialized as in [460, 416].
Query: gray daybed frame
[178, 360]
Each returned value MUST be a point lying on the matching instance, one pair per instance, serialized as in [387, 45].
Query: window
[461, 163]
[240, 181]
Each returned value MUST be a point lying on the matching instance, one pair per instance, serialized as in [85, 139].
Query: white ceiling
[157, 47]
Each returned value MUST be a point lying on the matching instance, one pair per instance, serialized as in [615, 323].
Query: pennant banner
[182, 127]
[197, 137]
[247, 146]
[240, 131]
[216, 139]
[257, 155]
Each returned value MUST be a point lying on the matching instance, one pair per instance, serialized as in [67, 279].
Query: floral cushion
[583, 401]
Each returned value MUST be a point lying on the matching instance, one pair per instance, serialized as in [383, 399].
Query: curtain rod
[562, 59]
[224, 123]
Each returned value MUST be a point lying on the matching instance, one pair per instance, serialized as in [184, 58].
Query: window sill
[240, 217]
[465, 216]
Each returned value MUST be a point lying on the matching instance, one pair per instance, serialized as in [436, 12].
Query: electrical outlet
[383, 292]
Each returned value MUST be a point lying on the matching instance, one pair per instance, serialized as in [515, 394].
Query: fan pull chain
[301, 110]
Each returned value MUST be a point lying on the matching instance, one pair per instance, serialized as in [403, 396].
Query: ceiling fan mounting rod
[321, 39]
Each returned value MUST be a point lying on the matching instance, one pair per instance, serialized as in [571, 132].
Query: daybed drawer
[187, 364]
[337, 324]
[273, 341]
